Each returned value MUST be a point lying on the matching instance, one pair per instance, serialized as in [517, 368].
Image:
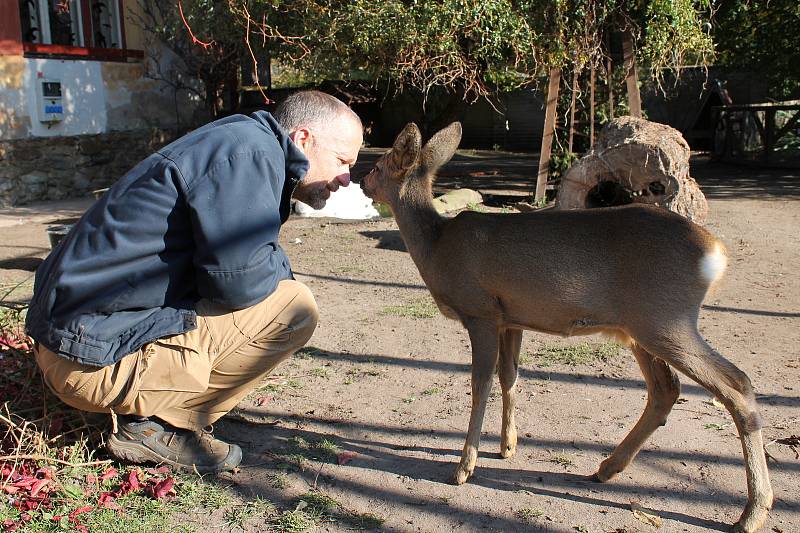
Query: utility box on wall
[48, 100]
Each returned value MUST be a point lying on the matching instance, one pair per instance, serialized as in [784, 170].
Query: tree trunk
[634, 161]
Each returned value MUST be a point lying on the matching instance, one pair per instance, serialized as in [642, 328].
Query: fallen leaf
[645, 515]
[79, 510]
[108, 474]
[38, 486]
[163, 488]
[263, 400]
[345, 457]
[133, 479]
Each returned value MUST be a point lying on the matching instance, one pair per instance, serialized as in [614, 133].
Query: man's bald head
[314, 110]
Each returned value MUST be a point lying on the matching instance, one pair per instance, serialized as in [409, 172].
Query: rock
[456, 199]
[634, 161]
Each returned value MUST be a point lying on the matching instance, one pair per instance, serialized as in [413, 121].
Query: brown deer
[638, 273]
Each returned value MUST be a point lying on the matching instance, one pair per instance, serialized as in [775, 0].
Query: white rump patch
[713, 264]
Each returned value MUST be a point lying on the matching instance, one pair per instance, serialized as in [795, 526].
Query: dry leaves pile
[48, 472]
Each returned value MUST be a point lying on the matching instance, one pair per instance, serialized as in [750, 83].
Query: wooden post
[609, 79]
[547, 133]
[631, 76]
[572, 107]
[591, 106]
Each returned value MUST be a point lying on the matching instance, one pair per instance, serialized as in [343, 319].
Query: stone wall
[54, 168]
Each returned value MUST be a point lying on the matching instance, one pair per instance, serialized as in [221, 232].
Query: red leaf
[133, 479]
[163, 488]
[263, 400]
[90, 478]
[37, 486]
[81, 528]
[108, 474]
[106, 501]
[343, 458]
[10, 489]
[79, 510]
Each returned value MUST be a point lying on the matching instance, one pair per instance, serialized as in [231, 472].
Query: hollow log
[634, 161]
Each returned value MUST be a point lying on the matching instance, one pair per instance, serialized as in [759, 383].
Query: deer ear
[406, 147]
[440, 148]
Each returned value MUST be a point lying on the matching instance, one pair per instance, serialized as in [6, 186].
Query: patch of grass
[309, 352]
[321, 507]
[237, 516]
[472, 206]
[195, 493]
[561, 459]
[432, 391]
[320, 372]
[359, 372]
[583, 353]
[526, 513]
[278, 481]
[410, 399]
[276, 387]
[294, 522]
[317, 450]
[718, 427]
[423, 308]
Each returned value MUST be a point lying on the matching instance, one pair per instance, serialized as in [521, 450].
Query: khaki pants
[192, 379]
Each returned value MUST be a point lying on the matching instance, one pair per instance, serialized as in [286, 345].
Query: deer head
[407, 162]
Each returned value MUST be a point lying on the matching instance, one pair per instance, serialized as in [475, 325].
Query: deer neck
[419, 222]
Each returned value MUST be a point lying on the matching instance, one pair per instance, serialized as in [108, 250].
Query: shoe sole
[135, 452]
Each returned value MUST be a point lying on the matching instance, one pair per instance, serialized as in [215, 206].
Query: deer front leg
[510, 343]
[483, 336]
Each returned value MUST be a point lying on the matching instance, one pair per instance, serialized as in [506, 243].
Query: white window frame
[41, 17]
[116, 27]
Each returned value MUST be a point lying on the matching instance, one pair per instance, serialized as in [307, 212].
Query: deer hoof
[507, 451]
[752, 519]
[461, 475]
[600, 476]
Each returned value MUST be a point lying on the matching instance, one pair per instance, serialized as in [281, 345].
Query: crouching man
[170, 300]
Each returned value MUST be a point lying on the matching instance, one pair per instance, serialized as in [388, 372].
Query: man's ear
[302, 138]
[440, 148]
[406, 147]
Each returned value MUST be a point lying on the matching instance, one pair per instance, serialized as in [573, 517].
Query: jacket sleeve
[236, 223]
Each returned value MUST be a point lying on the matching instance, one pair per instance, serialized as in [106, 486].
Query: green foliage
[761, 37]
[473, 47]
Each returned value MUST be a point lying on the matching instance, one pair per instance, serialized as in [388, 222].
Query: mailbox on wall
[48, 97]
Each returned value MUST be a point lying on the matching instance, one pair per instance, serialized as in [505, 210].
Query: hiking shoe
[140, 440]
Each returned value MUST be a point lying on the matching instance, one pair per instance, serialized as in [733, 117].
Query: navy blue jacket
[198, 219]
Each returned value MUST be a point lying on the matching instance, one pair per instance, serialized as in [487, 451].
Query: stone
[33, 178]
[456, 199]
[634, 161]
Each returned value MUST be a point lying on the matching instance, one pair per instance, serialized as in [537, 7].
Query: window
[82, 23]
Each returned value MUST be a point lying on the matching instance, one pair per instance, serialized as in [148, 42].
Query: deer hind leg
[690, 354]
[508, 364]
[663, 389]
[484, 338]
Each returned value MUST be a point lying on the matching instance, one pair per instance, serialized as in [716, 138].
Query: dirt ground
[394, 388]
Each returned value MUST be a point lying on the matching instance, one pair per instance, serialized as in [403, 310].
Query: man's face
[331, 153]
